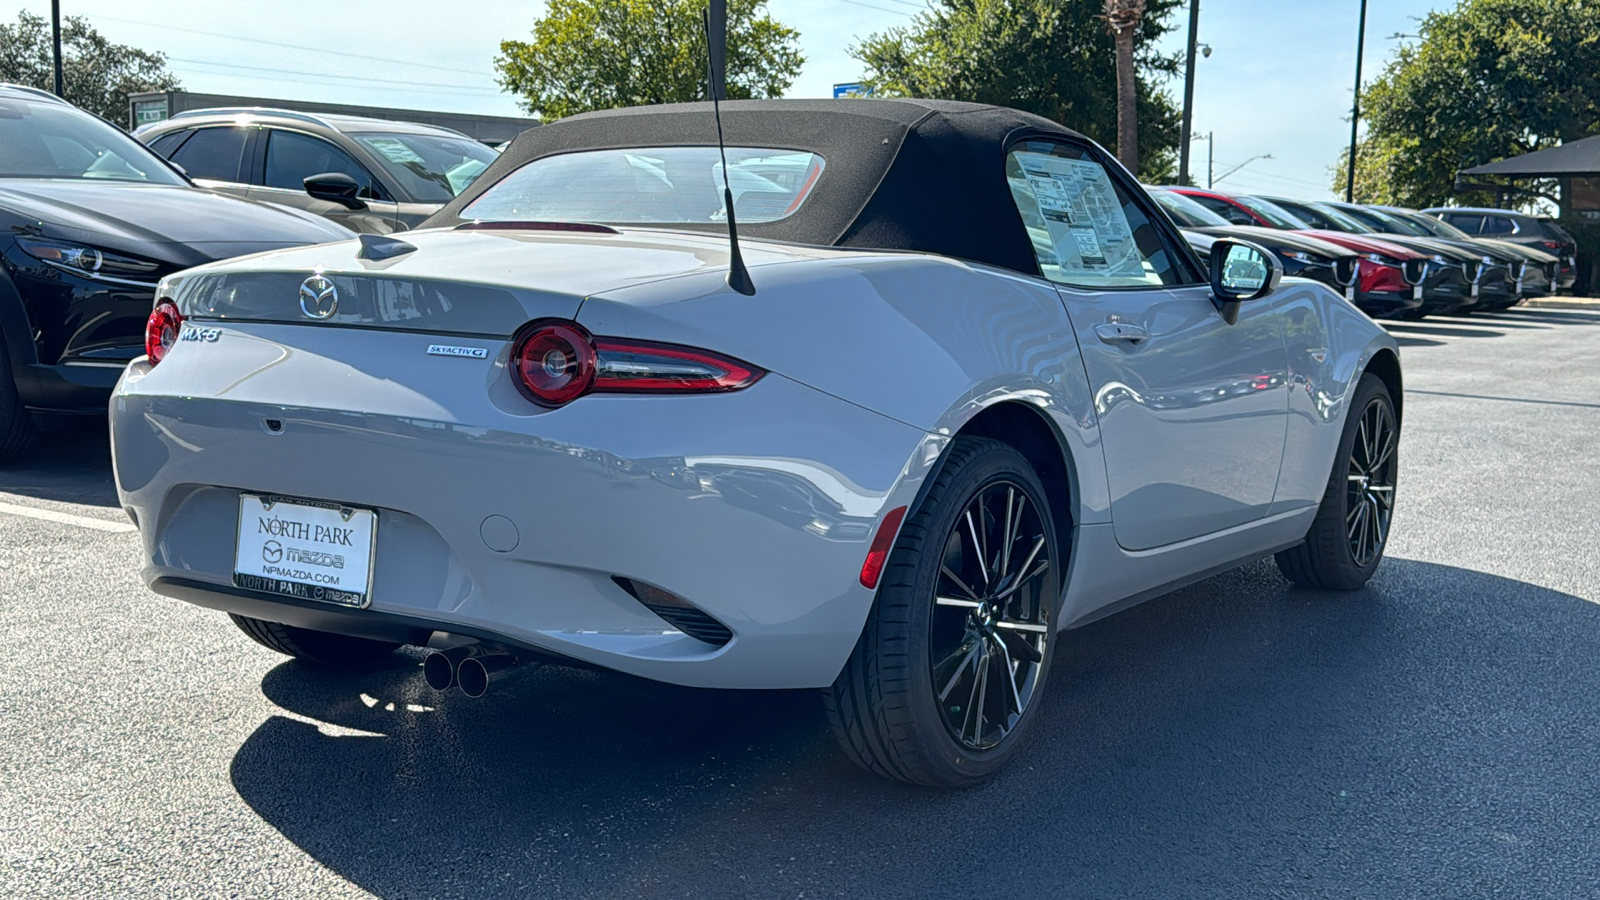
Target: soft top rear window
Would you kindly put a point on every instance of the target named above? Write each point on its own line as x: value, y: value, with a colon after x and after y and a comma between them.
x: 652, y: 185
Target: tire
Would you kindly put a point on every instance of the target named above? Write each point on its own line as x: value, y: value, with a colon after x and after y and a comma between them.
x: 1337, y: 554
x: 317, y: 647
x: 16, y: 423
x: 885, y: 708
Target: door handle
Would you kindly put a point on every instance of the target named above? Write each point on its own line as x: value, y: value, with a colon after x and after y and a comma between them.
x: 1121, y: 333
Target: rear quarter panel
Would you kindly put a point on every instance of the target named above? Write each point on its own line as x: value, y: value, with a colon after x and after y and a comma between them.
x: 928, y: 341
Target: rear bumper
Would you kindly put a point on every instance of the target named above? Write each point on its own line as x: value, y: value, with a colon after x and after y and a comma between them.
x: 756, y: 507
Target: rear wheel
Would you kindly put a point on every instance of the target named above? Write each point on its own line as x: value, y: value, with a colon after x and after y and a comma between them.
x: 949, y: 671
x: 319, y: 647
x: 16, y: 423
x: 1348, y: 536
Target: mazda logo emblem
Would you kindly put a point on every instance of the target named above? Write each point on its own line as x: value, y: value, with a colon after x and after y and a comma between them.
x: 319, y: 299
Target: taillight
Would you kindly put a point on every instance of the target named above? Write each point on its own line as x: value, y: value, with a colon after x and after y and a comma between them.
x: 161, y: 330
x: 644, y: 366
x: 882, y: 542
x: 1551, y: 245
x: 555, y: 362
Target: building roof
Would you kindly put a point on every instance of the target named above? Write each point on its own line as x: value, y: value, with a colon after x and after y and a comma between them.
x: 1580, y: 158
x: 924, y: 175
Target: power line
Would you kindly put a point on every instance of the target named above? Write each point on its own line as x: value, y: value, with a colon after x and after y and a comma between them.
x: 326, y: 75
x: 898, y: 12
x: 300, y: 47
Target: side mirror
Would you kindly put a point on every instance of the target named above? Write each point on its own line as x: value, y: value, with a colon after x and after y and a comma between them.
x: 336, y: 187
x: 1242, y: 271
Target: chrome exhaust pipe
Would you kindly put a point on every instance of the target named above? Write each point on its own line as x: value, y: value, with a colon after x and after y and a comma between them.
x: 441, y: 668
x: 476, y: 674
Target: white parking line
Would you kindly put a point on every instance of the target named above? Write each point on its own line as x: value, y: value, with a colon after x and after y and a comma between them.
x: 50, y: 515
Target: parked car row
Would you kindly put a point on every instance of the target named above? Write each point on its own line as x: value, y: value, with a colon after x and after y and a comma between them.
x: 92, y: 219
x: 1408, y: 263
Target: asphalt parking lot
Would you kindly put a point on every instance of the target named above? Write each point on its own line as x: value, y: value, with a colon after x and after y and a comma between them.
x: 1437, y: 734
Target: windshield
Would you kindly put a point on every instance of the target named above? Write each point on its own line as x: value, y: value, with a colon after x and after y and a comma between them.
x: 432, y: 168
x: 1340, y: 219
x: 1434, y: 227
x: 653, y: 184
x: 42, y: 139
x: 1185, y: 212
x: 1272, y: 212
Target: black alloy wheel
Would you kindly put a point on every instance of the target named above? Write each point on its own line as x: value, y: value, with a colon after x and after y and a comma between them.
x: 1369, y: 498
x: 990, y: 623
x: 952, y: 663
x: 1351, y: 529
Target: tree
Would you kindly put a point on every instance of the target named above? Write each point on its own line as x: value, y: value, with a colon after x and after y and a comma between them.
x: 1123, y: 16
x: 1487, y: 80
x: 598, y: 54
x: 97, y: 75
x: 1043, y: 56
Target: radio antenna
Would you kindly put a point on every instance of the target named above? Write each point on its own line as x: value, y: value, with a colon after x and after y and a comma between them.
x: 738, y: 275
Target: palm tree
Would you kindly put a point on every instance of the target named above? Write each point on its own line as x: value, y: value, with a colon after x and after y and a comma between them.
x: 1124, y: 16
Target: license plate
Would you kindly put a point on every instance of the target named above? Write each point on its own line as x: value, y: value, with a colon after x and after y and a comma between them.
x: 305, y: 549
x: 1350, y: 292
x: 1474, y: 289
x: 1416, y: 292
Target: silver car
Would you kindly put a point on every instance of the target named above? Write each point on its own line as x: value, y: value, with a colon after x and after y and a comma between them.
x: 981, y: 393
x: 373, y: 176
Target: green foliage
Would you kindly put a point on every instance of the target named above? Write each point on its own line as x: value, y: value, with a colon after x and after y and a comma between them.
x: 599, y: 54
x: 1055, y: 58
x: 1487, y: 80
x: 97, y: 75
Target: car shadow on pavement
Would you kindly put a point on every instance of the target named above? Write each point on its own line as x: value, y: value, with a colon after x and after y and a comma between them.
x: 70, y: 462
x: 1240, y: 738
x: 1551, y: 316
x: 1413, y: 328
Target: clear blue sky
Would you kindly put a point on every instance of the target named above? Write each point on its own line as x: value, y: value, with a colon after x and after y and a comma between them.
x: 1278, y: 81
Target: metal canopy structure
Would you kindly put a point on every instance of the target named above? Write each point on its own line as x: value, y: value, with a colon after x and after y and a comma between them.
x: 1574, y: 159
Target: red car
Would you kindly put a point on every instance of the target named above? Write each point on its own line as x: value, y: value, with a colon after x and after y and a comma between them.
x: 1390, y: 279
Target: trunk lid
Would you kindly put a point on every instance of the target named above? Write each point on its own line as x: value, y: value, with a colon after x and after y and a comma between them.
x: 457, y: 282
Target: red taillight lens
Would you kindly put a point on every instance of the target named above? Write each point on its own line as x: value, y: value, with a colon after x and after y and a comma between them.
x: 161, y: 330
x: 641, y: 366
x: 882, y: 542
x: 556, y: 362
x: 1551, y: 245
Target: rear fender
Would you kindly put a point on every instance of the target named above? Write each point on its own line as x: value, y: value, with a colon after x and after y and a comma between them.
x: 928, y: 341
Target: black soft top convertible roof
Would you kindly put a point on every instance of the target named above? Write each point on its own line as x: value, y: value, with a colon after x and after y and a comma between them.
x: 926, y: 175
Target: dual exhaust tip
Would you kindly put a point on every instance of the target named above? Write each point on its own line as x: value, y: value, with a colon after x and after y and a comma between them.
x: 473, y: 668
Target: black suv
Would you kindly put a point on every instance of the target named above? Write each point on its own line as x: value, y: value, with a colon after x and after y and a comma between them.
x: 1519, y: 228
x: 90, y: 221
x: 370, y: 175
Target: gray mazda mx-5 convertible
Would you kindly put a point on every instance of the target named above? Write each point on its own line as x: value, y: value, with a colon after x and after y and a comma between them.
x: 982, y: 391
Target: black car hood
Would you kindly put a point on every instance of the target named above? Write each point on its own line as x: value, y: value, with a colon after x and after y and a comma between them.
x: 1274, y: 238
x: 172, y: 223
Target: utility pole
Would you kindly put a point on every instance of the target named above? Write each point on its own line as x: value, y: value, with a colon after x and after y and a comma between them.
x: 1211, y: 158
x: 1188, y: 92
x: 1355, y: 107
x: 55, y: 40
x: 719, y: 48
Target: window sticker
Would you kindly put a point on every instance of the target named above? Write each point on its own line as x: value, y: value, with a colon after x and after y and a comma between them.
x: 1079, y: 210
x: 396, y: 150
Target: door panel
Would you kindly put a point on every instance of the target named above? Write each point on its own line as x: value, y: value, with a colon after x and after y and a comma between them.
x: 1192, y: 410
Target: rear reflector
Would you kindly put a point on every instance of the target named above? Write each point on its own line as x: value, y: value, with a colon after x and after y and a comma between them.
x: 882, y: 543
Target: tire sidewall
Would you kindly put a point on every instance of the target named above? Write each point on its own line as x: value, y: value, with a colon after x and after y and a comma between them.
x: 960, y: 765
